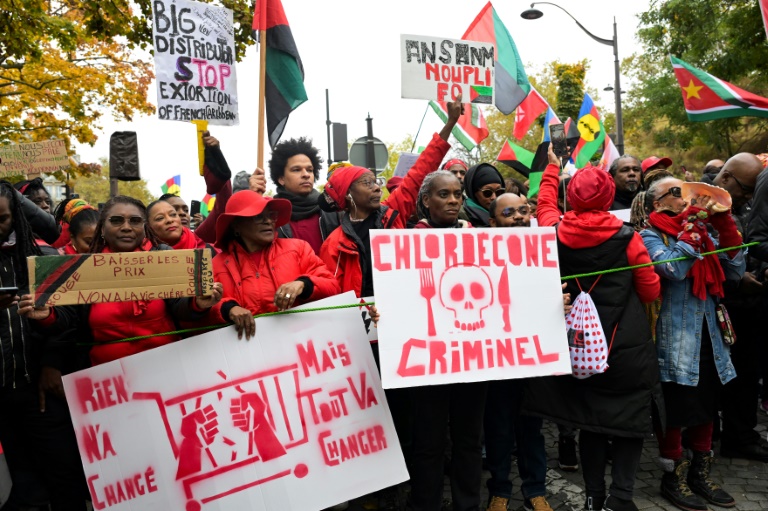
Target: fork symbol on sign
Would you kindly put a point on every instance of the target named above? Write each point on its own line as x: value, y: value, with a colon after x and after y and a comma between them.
x: 428, y: 292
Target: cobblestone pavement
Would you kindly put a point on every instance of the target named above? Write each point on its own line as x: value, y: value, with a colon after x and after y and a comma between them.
x: 746, y: 481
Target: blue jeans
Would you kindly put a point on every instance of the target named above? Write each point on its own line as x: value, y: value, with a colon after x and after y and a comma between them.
x: 504, y: 426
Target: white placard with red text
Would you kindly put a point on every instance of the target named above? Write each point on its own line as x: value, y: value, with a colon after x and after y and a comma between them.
x: 440, y: 69
x: 294, y: 419
x: 487, y: 323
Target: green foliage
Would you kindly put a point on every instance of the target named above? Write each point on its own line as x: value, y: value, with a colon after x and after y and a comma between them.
x: 94, y: 188
x: 570, y: 90
x: 723, y: 37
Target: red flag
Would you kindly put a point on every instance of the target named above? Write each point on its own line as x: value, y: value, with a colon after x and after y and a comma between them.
x: 527, y: 112
x: 764, y: 10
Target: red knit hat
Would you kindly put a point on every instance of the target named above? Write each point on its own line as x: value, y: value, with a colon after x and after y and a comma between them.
x: 591, y: 188
x: 340, y: 181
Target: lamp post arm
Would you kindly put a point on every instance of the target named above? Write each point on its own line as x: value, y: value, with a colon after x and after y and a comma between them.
x: 608, y: 42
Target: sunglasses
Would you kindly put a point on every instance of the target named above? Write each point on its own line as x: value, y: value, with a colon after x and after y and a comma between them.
x: 675, y: 191
x: 522, y: 210
x: 119, y: 221
x: 488, y: 193
x: 266, y: 217
x: 744, y: 188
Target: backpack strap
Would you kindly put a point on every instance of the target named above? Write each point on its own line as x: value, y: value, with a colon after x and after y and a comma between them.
x: 593, y: 284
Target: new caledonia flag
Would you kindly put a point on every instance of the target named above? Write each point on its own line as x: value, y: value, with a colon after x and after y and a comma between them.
x: 707, y: 97
x: 592, y: 133
x: 285, y: 73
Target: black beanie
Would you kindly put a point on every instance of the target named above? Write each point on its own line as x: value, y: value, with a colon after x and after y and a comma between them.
x: 484, y: 174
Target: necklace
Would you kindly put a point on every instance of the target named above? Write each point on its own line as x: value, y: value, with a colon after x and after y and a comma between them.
x: 355, y: 220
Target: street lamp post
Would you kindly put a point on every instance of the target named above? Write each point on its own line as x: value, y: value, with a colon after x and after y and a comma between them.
x: 532, y: 14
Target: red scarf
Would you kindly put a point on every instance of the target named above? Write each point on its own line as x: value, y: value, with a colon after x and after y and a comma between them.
x: 707, y: 274
x: 189, y: 240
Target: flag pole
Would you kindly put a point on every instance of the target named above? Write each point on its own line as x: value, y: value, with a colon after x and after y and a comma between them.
x: 262, y: 80
x: 419, y: 130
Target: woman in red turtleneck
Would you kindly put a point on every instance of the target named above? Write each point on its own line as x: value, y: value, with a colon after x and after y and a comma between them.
x: 165, y: 223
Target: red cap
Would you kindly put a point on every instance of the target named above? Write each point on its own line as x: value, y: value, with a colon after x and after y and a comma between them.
x: 655, y: 160
x: 591, y: 189
x: 247, y: 203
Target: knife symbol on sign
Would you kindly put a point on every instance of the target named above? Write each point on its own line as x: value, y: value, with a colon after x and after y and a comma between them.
x: 504, y: 299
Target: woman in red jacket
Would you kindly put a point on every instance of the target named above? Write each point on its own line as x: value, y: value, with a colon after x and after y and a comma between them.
x: 121, y: 228
x: 356, y: 191
x: 164, y: 222
x: 259, y: 271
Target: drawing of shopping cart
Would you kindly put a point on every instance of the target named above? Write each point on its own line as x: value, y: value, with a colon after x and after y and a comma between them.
x: 231, y: 425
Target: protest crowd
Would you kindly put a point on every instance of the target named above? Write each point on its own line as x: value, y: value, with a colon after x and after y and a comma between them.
x: 674, y: 378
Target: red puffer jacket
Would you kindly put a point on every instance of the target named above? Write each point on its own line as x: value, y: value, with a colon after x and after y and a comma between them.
x: 253, y: 287
x: 340, y: 251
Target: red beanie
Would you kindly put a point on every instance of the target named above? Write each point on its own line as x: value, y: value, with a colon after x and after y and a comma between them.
x: 339, y: 183
x: 590, y: 189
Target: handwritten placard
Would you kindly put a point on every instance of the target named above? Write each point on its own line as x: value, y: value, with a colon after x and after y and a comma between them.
x: 461, y: 305
x: 194, y: 62
x: 440, y: 69
x: 294, y: 419
x: 120, y: 276
x: 33, y: 158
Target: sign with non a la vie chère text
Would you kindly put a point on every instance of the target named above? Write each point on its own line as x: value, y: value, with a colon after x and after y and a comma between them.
x: 194, y: 46
x: 461, y: 305
x: 294, y: 419
x: 440, y: 69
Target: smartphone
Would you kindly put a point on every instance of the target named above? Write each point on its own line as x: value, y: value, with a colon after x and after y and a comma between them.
x: 559, y: 142
x: 13, y: 291
x: 195, y: 208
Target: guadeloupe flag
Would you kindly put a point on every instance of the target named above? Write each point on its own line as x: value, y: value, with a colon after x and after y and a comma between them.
x: 527, y: 112
x: 206, y: 205
x: 592, y: 133
x: 471, y: 128
x: 173, y: 185
x: 707, y: 97
x: 285, y: 73
x: 512, y: 85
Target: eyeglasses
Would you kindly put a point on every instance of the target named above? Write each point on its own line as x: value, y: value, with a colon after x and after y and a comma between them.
x: 522, y: 211
x: 266, y: 217
x: 119, y: 221
x: 371, y: 183
x: 675, y: 191
x: 488, y: 192
x: 745, y: 189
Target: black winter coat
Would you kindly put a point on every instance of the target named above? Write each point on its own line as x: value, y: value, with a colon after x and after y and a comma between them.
x: 619, y: 401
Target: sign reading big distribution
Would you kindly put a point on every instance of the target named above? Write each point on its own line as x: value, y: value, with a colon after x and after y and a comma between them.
x: 194, y: 62
x: 295, y: 419
x: 440, y: 69
x: 461, y: 305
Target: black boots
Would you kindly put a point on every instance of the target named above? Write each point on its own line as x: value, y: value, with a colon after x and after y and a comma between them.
x: 701, y: 484
x: 674, y: 486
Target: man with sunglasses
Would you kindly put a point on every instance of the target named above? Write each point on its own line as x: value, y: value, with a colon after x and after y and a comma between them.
x: 505, y: 427
x: 482, y: 184
x: 746, y: 303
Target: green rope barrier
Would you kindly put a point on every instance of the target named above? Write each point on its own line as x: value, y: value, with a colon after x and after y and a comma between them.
x: 654, y: 263
x: 214, y: 327
x: 351, y: 305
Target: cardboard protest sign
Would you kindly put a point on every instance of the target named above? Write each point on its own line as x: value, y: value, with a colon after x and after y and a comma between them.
x: 461, y: 305
x: 34, y: 158
x: 439, y: 69
x: 120, y: 276
x: 404, y: 163
x: 194, y: 62
x: 294, y: 419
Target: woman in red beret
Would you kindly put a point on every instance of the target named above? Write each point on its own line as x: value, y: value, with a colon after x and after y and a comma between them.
x: 261, y: 272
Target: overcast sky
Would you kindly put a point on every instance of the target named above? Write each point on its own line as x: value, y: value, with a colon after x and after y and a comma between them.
x: 351, y: 47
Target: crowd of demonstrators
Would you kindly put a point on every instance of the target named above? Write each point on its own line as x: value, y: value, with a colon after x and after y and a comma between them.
x: 670, y: 370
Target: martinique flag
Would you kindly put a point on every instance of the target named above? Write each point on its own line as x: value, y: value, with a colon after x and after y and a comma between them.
x: 173, y: 185
x: 592, y: 133
x: 527, y: 112
x: 707, y: 97
x: 516, y: 157
x: 471, y: 128
x: 511, y: 83
x: 285, y: 73
x: 206, y: 205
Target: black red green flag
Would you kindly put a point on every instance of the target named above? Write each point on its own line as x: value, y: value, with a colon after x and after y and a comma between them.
x: 285, y: 73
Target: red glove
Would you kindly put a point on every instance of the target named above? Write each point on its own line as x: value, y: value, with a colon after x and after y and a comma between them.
x: 729, y: 234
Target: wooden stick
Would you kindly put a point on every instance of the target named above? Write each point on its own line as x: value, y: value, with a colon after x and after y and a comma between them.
x: 262, y: 81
